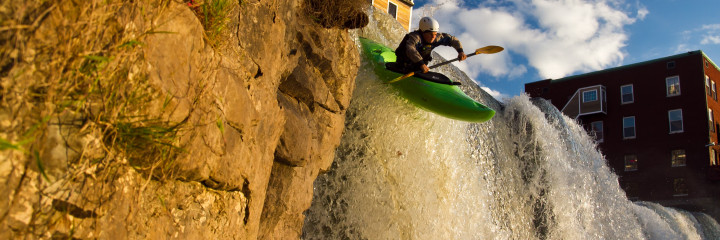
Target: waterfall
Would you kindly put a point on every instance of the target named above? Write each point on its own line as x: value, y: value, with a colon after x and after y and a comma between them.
x: 529, y: 173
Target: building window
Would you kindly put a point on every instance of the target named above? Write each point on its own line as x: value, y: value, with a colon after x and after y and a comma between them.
x: 670, y: 64
x: 590, y: 96
x: 676, y: 120
x: 631, y: 163
x: 673, y: 86
x: 626, y: 92
x: 678, y: 158
x: 707, y: 85
x: 711, y: 120
x: 629, y: 127
x: 713, y: 158
x: 597, y: 130
x: 392, y: 9
x: 714, y: 90
x: 679, y: 187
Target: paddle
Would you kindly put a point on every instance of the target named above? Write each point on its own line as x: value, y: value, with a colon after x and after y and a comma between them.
x: 486, y: 50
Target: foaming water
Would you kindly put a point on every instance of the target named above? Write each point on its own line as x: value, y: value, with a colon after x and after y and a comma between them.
x: 529, y: 173
x: 392, y: 178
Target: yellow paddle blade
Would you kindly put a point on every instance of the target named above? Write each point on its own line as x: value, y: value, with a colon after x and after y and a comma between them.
x: 489, y: 49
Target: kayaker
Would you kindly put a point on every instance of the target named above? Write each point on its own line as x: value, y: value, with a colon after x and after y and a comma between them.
x: 415, y: 50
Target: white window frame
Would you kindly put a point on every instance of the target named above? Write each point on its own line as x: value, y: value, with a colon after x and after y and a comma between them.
x: 592, y: 128
x: 707, y: 85
x: 632, y: 94
x: 682, y: 127
x: 667, y: 86
x: 711, y: 120
x: 634, y: 128
x: 396, y: 9
x: 588, y: 91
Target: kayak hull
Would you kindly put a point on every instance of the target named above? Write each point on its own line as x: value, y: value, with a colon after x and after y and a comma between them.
x: 442, y: 99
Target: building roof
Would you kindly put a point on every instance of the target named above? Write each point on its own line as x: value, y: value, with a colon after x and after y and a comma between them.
x: 697, y: 52
x: 408, y: 2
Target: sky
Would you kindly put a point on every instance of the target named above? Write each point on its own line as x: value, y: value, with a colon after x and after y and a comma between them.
x: 557, y: 38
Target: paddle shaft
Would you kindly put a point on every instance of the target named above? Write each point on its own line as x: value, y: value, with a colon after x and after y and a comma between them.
x: 486, y: 50
x: 431, y: 67
x: 447, y: 62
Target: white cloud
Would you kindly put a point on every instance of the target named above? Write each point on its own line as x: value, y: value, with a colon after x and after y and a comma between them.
x: 495, y: 94
x: 710, y: 39
x: 708, y: 34
x: 681, y: 48
x: 556, y: 37
x: 712, y: 34
x: 642, y: 12
x: 711, y: 27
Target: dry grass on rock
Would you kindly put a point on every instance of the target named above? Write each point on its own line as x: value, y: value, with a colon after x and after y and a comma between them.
x: 213, y: 14
x: 74, y: 100
x: 81, y: 69
x: 340, y: 14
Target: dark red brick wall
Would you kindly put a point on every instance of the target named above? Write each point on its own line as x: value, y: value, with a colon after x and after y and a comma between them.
x: 653, y: 143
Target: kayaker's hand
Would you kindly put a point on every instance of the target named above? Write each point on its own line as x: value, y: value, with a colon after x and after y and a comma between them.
x: 461, y: 56
x: 425, y: 68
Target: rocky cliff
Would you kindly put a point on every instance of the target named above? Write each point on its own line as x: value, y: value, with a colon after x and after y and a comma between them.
x: 168, y: 119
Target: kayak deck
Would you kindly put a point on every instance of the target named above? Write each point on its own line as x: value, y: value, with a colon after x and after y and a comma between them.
x: 441, y: 98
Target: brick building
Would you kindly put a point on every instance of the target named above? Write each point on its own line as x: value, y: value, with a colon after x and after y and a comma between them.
x: 655, y: 121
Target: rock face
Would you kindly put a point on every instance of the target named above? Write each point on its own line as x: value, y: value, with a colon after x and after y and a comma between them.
x: 260, y: 115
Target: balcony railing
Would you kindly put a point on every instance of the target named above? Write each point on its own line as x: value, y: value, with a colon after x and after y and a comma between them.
x: 586, y: 101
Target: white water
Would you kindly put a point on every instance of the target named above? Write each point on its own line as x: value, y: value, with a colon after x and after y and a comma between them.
x: 403, y: 173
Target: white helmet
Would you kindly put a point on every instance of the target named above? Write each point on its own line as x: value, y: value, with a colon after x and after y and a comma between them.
x: 429, y: 24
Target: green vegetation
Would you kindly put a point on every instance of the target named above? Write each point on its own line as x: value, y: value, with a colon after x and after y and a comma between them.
x: 79, y: 106
x: 145, y: 137
x: 5, y: 144
x: 28, y: 137
x: 220, y: 124
x: 85, y: 78
x: 213, y: 15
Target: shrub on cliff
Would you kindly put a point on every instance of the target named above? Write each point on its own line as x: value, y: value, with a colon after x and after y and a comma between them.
x: 341, y: 14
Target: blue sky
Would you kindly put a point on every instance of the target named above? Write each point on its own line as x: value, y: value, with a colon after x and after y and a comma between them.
x: 557, y: 38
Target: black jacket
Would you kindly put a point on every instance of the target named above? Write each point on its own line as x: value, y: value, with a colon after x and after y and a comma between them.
x: 413, y: 51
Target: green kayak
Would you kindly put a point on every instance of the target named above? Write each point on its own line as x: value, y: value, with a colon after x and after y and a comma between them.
x: 428, y: 92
